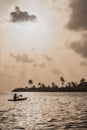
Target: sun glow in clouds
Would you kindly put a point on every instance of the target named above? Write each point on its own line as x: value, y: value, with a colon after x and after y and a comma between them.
x: 30, y: 35
x: 40, y: 33
x: 47, y: 36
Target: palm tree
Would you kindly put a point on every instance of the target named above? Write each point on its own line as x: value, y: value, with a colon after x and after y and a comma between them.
x: 30, y: 82
x: 82, y: 80
x: 53, y: 85
x: 73, y: 84
x: 62, y: 80
x: 39, y: 84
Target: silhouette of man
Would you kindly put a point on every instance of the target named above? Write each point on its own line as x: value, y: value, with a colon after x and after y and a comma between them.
x: 15, y: 96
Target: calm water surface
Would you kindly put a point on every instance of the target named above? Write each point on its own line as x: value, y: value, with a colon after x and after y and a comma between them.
x: 44, y: 111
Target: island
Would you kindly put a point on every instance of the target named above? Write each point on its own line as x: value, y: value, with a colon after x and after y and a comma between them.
x: 65, y: 87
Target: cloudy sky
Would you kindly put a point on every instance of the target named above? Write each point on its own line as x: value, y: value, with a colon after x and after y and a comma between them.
x: 42, y: 40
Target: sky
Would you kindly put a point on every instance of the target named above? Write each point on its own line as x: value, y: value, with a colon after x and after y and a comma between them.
x: 42, y: 41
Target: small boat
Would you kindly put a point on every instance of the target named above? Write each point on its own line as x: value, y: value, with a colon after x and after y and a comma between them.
x: 18, y: 99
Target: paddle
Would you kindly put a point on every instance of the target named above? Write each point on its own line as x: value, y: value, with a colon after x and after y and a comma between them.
x: 20, y: 96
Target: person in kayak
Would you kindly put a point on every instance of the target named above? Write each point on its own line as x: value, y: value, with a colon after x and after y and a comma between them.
x: 15, y: 96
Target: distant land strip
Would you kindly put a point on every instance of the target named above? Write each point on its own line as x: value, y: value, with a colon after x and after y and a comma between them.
x: 69, y: 87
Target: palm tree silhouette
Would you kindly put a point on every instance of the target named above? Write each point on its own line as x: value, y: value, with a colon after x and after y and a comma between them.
x: 62, y: 80
x: 39, y: 84
x: 30, y: 82
x: 82, y: 80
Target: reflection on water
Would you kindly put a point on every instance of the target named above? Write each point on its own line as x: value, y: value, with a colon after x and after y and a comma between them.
x: 44, y: 111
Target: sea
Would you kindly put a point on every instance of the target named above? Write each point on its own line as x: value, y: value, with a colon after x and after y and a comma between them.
x: 44, y: 111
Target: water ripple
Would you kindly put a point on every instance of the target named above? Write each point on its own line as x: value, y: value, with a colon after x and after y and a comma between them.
x: 44, y: 111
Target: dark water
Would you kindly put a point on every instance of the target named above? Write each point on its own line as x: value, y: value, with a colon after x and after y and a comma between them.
x: 44, y: 111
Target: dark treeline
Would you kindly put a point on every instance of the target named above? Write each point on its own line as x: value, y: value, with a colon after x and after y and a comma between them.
x: 65, y: 87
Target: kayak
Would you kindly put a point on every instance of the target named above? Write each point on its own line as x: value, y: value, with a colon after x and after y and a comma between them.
x: 18, y: 99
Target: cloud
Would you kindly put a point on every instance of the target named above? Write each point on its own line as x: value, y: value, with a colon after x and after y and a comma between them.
x: 21, y: 16
x: 78, y: 17
x: 4, y: 6
x: 22, y: 58
x: 48, y: 58
x: 35, y: 65
x: 84, y: 63
x: 80, y: 47
x: 56, y: 71
x: 42, y: 65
